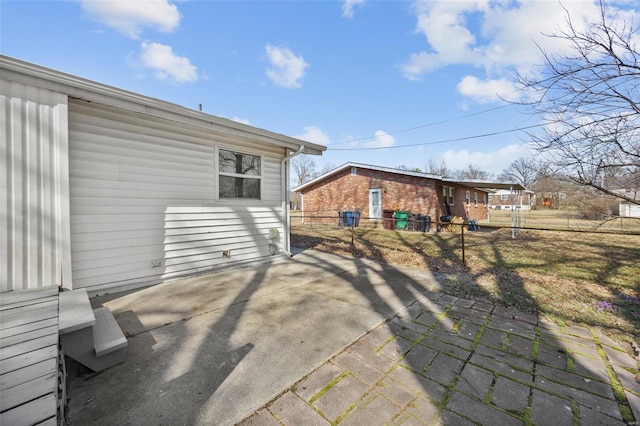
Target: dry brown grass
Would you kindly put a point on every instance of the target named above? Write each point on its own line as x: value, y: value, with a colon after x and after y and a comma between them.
x: 569, y: 277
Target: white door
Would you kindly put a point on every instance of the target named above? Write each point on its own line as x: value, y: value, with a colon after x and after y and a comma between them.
x: 375, y: 204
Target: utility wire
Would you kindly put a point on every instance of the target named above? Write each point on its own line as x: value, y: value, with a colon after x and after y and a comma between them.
x: 435, y: 123
x: 484, y: 135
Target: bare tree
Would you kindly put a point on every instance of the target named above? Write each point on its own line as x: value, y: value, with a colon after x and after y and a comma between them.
x: 304, y: 168
x: 589, y: 99
x: 409, y: 169
x: 325, y: 169
x: 524, y: 170
x: 438, y: 168
x: 472, y: 172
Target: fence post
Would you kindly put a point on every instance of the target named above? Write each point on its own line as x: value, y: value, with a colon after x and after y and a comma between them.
x: 462, y: 238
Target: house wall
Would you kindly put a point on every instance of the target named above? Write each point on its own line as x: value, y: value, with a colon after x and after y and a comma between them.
x: 144, y: 204
x: 34, y: 188
x: 460, y: 207
x: 346, y: 191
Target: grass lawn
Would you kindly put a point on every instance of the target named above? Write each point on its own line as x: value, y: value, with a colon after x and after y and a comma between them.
x: 568, y: 277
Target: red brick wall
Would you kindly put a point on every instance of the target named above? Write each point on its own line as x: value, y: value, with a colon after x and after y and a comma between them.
x: 344, y: 191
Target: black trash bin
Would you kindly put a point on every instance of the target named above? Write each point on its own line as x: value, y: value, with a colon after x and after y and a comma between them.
x: 426, y: 223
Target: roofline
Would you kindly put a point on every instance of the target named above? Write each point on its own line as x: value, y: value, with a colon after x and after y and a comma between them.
x: 479, y: 184
x: 80, y: 88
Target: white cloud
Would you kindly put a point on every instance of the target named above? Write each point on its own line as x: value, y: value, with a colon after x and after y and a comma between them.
x: 241, y: 120
x: 129, y: 17
x: 347, y: 7
x: 497, y: 37
x: 315, y: 135
x: 285, y: 68
x: 493, y: 162
x: 485, y: 91
x: 381, y: 140
x: 166, y: 64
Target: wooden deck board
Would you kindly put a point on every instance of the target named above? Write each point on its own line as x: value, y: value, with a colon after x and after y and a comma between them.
x: 29, y: 356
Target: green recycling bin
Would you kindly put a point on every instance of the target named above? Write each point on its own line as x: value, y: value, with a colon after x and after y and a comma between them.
x: 401, y: 219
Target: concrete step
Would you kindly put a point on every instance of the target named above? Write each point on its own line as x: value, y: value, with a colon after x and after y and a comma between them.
x: 107, y: 336
x: 90, y: 336
x: 75, y: 311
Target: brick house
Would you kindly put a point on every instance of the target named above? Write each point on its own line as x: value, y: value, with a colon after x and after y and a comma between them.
x: 373, y: 189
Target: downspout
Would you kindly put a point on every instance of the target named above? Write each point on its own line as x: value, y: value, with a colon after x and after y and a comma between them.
x: 286, y: 218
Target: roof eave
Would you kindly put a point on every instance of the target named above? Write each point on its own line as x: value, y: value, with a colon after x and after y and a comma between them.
x: 83, y: 89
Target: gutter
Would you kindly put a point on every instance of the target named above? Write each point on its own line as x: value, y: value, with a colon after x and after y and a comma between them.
x: 286, y: 217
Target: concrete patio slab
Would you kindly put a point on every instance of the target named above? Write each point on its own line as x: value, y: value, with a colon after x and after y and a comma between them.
x: 325, y: 339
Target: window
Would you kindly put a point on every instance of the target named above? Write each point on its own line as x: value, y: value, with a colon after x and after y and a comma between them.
x: 447, y: 194
x: 354, y: 171
x: 239, y: 175
x: 504, y: 197
x: 467, y: 197
x: 475, y: 198
x: 486, y: 198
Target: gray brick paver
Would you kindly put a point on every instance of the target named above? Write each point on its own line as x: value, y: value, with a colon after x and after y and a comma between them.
x: 520, y: 346
x: 419, y: 357
x: 581, y: 332
x: 419, y: 383
x: 359, y: 369
x: 475, y: 381
x: 590, y: 367
x: 379, y: 389
x: 493, y: 338
x: 444, y: 369
x: 550, y: 410
x: 548, y: 377
x: 510, y: 396
x: 395, y: 391
x: 447, y: 418
x: 634, y: 404
x: 479, y: 412
x: 552, y: 355
x: 373, y: 407
x: 340, y: 397
x: 589, y: 417
x: 370, y: 356
x: 500, y: 367
x: 424, y: 410
x: 261, y: 418
x: 448, y: 348
x: 620, y: 358
x: 291, y: 411
x: 316, y: 381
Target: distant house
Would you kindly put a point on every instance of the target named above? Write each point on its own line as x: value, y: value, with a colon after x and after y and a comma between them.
x: 625, y: 208
x: 505, y: 199
x: 374, y: 189
x: 106, y: 189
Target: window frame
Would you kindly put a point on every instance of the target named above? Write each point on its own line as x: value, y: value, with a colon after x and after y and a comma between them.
x: 219, y: 173
x: 448, y: 195
x: 467, y: 197
x: 475, y: 198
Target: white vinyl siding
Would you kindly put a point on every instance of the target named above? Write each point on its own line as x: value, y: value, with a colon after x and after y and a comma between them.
x: 34, y: 188
x: 143, y: 200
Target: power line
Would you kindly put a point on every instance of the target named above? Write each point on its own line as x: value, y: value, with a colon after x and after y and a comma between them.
x: 435, y: 123
x: 484, y: 135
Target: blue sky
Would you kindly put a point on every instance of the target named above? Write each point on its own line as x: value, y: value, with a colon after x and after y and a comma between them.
x: 354, y: 75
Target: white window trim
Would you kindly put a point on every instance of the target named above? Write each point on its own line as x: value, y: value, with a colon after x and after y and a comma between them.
x: 448, y: 193
x: 218, y: 174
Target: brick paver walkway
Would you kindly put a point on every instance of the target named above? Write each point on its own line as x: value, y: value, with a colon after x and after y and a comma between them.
x: 461, y: 362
